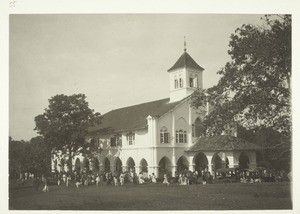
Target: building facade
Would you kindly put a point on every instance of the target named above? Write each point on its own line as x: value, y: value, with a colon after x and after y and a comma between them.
x: 162, y: 136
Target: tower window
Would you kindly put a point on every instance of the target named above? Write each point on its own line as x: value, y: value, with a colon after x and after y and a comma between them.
x: 191, y: 82
x: 176, y: 83
x: 180, y: 82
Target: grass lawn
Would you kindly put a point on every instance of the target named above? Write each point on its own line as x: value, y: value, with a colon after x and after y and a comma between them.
x: 231, y: 196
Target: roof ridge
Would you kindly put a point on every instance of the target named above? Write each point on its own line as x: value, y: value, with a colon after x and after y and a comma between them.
x: 139, y: 104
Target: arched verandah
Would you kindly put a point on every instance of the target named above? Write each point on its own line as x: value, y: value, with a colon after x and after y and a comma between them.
x: 130, y: 164
x: 182, y: 164
x: 118, y: 164
x: 164, y: 166
x: 106, y: 165
x: 201, y: 162
x: 219, y: 161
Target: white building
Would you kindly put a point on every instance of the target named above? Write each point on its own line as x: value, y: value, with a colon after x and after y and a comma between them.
x: 164, y: 135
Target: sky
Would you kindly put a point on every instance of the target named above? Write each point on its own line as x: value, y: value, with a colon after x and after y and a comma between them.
x: 116, y: 60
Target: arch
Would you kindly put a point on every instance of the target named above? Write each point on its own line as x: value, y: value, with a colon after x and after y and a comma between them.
x: 144, y: 166
x: 77, y: 164
x: 106, y: 164
x: 164, y: 166
x: 130, y: 164
x: 219, y: 161
x: 201, y: 162
x: 181, y: 123
x: 182, y: 164
x: 118, y: 164
x: 243, y: 161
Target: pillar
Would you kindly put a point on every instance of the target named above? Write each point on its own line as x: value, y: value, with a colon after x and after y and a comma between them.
x: 210, y: 168
x: 190, y: 127
x: 174, y: 169
x: 231, y: 159
x: 156, y: 171
x: 173, y: 166
x: 112, y: 168
x: 191, y: 164
x: 138, y: 169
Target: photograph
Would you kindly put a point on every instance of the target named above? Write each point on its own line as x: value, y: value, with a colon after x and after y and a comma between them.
x: 150, y: 111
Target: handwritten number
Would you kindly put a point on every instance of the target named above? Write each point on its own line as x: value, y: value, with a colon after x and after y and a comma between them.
x: 12, y: 3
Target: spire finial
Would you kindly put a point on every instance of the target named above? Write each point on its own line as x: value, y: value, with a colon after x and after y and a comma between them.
x: 184, y: 45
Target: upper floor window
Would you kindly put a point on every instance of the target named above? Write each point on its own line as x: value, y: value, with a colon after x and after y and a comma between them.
x: 130, y: 138
x: 164, y: 135
x: 113, y: 142
x: 181, y: 136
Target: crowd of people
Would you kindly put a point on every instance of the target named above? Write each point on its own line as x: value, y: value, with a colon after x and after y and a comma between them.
x: 81, y: 178
x: 255, y: 175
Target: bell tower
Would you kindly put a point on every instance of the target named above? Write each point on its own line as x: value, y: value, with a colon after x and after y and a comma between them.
x: 185, y: 76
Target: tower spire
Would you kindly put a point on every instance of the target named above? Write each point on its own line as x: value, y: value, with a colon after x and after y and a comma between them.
x: 184, y: 44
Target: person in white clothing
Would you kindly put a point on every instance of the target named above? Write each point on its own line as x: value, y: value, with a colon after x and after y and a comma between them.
x: 166, y: 180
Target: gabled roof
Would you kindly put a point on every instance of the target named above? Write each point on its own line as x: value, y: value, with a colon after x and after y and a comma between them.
x: 133, y: 117
x: 186, y: 61
x: 221, y: 143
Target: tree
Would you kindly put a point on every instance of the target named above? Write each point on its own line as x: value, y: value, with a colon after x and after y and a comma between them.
x: 64, y: 124
x: 28, y: 156
x: 255, y: 88
x: 40, y: 156
x: 18, y: 157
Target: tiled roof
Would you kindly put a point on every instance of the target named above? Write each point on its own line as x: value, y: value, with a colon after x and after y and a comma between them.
x: 133, y: 117
x: 186, y: 61
x: 222, y: 143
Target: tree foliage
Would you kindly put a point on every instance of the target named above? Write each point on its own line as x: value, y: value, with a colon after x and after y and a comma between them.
x: 28, y: 156
x: 254, y: 88
x: 65, y: 123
